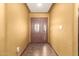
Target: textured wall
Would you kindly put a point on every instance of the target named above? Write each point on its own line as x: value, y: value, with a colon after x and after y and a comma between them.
x: 62, y: 28
x: 17, y: 28
x: 39, y: 14
x: 2, y: 29
x: 75, y: 45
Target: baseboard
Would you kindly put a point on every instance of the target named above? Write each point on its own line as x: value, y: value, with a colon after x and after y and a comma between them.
x: 21, y: 53
x: 54, y: 49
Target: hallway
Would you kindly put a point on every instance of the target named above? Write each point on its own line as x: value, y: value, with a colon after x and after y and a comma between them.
x: 38, y: 29
x: 39, y: 49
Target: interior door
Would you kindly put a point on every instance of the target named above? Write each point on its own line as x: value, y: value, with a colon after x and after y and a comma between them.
x: 39, y: 30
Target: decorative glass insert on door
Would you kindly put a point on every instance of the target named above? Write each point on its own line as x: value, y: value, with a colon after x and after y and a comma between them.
x: 45, y: 27
x: 36, y: 27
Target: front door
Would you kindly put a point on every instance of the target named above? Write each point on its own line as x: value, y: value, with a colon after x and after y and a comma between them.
x: 39, y: 30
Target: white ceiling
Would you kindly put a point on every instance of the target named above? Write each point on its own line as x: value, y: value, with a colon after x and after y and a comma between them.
x: 34, y: 7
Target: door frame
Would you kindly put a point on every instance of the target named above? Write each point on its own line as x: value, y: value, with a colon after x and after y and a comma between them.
x: 31, y: 28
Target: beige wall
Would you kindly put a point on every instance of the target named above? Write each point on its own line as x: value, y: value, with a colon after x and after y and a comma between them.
x: 17, y: 28
x: 62, y: 39
x: 37, y: 14
x: 75, y: 42
x: 2, y: 29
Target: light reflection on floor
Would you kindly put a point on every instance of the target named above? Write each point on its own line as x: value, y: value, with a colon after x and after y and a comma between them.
x: 39, y: 49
